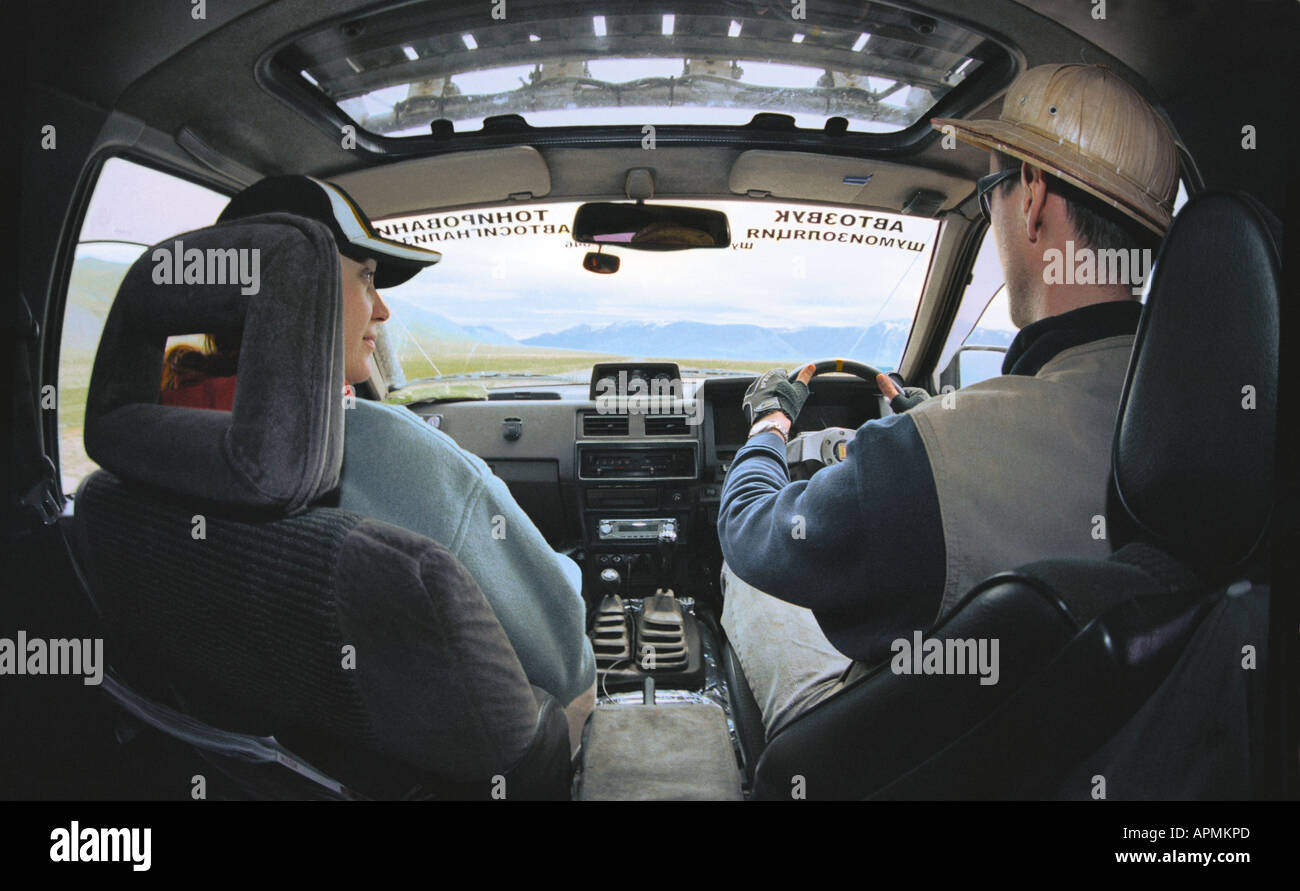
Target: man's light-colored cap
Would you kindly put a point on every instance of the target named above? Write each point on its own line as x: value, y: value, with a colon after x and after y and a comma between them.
x: 1086, y: 125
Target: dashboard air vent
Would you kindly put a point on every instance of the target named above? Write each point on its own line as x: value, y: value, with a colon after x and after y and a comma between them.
x: 666, y: 425
x: 604, y: 425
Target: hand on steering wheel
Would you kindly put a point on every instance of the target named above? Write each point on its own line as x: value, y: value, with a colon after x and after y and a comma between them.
x: 900, y: 400
x: 771, y: 392
x: 820, y: 448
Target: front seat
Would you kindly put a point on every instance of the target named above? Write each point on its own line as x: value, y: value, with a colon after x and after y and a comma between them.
x: 1137, y: 677
x: 305, y: 650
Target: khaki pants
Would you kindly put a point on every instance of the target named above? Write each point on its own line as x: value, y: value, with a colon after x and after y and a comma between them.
x: 789, y: 663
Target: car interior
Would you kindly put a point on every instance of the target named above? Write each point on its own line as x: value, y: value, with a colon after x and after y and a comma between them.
x: 634, y: 156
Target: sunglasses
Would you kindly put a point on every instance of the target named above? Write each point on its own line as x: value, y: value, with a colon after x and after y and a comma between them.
x: 986, y: 184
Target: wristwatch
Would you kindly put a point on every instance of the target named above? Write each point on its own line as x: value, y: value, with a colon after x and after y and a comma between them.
x: 776, y: 421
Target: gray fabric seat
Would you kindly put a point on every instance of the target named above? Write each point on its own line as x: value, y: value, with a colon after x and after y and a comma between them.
x: 1142, y: 676
x: 231, y: 591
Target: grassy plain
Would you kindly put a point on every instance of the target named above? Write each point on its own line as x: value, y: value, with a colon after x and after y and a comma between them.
x: 574, y: 364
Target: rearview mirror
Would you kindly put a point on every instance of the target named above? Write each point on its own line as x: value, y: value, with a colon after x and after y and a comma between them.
x: 603, y: 264
x: 651, y: 227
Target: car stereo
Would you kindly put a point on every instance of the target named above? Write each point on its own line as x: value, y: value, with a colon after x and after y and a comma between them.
x: 630, y: 529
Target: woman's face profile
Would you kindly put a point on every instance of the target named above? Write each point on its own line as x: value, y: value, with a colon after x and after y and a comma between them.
x: 363, y: 312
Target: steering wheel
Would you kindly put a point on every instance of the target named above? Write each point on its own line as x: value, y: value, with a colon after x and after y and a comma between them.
x: 847, y: 366
x: 816, y: 449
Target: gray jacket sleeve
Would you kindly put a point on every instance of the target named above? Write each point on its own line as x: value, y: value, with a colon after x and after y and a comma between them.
x: 403, y: 471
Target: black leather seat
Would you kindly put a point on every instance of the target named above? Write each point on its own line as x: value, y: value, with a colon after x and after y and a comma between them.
x: 244, y: 615
x: 1141, y: 676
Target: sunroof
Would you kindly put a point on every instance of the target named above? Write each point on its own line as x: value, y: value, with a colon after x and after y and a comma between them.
x: 882, y: 69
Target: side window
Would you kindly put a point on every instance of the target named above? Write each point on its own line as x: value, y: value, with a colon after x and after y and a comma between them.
x: 1179, y: 200
x: 980, y: 357
x: 132, y: 207
x: 982, y: 330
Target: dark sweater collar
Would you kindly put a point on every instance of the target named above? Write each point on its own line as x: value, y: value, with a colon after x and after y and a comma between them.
x: 1039, y: 342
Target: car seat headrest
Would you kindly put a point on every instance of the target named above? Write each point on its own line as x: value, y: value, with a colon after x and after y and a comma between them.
x: 276, y: 277
x: 1193, y: 458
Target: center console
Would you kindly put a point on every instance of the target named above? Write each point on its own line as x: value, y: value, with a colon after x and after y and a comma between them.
x: 643, y: 507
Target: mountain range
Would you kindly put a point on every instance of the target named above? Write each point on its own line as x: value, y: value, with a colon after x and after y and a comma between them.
x: 705, y: 340
x: 426, y: 325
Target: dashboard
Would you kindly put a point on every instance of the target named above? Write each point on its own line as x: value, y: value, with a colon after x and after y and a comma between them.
x: 627, y: 473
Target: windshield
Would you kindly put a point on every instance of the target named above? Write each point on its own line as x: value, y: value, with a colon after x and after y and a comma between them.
x: 511, y: 298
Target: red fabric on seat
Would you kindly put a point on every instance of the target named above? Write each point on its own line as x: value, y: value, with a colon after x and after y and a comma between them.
x: 217, y: 393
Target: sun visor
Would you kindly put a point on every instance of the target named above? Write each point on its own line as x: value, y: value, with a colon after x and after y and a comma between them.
x: 452, y: 180
x: 804, y: 176
x: 276, y: 278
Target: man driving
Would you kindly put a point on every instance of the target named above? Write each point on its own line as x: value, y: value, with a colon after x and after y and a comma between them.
x: 948, y: 491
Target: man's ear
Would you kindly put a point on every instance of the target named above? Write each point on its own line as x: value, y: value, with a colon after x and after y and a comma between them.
x: 1034, y: 204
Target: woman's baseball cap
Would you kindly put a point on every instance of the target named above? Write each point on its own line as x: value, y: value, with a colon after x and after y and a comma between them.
x: 1086, y: 125
x: 327, y: 203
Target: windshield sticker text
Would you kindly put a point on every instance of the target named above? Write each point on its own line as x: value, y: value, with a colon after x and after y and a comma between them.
x: 485, y: 224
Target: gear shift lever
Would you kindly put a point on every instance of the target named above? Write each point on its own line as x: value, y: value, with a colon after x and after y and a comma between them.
x: 667, y: 538
x: 609, y: 638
